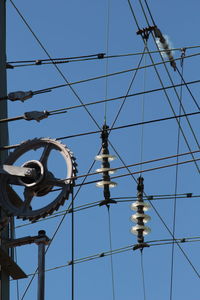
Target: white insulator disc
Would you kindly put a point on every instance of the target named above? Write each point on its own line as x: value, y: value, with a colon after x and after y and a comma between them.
x: 146, y: 206
x: 146, y: 218
x: 102, y: 156
x: 103, y: 182
x: 134, y: 229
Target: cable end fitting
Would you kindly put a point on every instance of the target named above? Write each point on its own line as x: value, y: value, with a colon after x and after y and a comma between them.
x: 20, y: 95
x: 36, y: 115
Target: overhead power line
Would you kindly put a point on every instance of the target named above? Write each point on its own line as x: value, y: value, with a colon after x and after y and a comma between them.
x: 114, y: 128
x: 126, y: 249
x: 49, y: 89
x: 82, y: 58
x: 119, y: 200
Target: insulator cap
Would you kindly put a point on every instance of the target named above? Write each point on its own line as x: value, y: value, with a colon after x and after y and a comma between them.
x: 103, y: 182
x: 109, y: 170
x: 136, y: 228
x: 145, y: 218
x: 146, y: 206
x: 102, y: 156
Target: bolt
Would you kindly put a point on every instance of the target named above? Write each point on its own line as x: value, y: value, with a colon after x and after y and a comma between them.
x: 28, y: 173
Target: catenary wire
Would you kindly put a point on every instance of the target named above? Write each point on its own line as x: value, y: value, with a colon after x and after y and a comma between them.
x: 69, y: 84
x: 179, y: 127
x: 111, y: 256
x: 127, y: 96
x: 168, y: 99
x: 125, y: 249
x: 142, y: 171
x: 71, y: 90
x: 143, y: 275
x: 175, y: 190
x: 114, y: 128
x: 120, y: 200
x: 39, y: 62
x: 171, y: 80
x: 170, y: 105
x: 127, y: 93
x: 180, y: 74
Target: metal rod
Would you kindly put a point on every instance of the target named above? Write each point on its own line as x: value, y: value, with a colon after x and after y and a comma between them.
x: 42, y: 242
x: 72, y: 244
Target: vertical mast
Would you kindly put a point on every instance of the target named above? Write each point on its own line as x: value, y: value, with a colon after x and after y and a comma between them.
x: 4, y: 278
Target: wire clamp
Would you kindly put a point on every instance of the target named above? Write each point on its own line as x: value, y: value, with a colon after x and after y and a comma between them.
x: 36, y: 115
x: 145, y: 32
x: 20, y: 95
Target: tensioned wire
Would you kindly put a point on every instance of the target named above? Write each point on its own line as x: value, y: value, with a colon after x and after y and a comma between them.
x: 50, y: 88
x: 78, y: 99
x: 178, y: 142
x: 154, y: 243
x: 168, y: 99
x: 181, y: 132
x: 119, y: 200
x: 170, y: 78
x: 26, y: 22
x: 176, y: 184
x: 57, y: 60
x: 111, y: 129
x: 180, y: 73
x: 105, y: 122
x: 107, y: 51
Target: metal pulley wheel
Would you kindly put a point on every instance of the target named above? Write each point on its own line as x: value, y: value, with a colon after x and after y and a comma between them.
x: 37, y: 199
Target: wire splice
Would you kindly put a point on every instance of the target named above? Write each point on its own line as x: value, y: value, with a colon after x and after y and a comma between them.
x: 105, y: 157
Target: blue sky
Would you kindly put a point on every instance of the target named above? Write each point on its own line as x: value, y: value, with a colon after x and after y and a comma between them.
x: 76, y: 28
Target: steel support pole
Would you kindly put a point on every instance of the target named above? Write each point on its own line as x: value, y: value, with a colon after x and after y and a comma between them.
x: 4, y: 278
x: 42, y: 241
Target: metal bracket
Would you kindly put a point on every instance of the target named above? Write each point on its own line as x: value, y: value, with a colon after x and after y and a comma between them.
x: 17, y: 171
x: 36, y: 115
x: 20, y: 95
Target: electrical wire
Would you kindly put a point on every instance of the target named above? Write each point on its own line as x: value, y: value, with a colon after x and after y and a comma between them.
x: 170, y: 78
x: 142, y: 114
x: 176, y: 187
x: 125, y: 249
x: 168, y: 99
x: 142, y: 171
x: 127, y: 96
x: 111, y: 256
x: 114, y: 128
x: 57, y: 60
x: 143, y: 276
x: 73, y: 245
x: 69, y: 84
x: 119, y: 200
x: 178, y: 122
x: 107, y: 51
x: 127, y: 93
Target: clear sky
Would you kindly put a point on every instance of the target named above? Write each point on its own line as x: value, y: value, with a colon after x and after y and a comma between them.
x: 78, y: 28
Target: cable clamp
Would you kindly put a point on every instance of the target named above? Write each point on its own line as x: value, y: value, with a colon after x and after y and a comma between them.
x: 36, y: 115
x: 20, y: 95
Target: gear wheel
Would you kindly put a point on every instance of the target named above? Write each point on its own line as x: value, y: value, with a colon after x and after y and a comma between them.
x: 39, y: 186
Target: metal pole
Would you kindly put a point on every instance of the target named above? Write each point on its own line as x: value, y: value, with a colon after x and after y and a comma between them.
x: 4, y: 277
x: 43, y: 240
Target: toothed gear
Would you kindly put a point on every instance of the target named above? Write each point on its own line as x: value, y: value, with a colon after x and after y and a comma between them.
x: 41, y: 185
